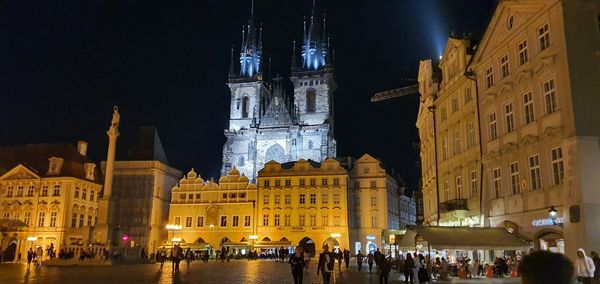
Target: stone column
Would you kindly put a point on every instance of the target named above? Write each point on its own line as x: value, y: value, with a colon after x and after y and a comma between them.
x: 113, y: 133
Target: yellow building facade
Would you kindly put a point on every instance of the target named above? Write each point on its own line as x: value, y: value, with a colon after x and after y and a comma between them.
x: 305, y: 203
x: 539, y: 109
x: 213, y: 215
x: 449, y: 102
x: 48, y: 197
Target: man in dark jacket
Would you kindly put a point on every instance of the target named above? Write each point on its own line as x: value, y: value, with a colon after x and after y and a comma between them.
x: 347, y: 258
x: 326, y: 264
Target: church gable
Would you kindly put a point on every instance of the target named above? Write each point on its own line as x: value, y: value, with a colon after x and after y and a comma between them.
x: 19, y: 172
x: 507, y: 17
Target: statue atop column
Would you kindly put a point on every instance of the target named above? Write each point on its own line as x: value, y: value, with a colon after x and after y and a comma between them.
x: 115, y: 118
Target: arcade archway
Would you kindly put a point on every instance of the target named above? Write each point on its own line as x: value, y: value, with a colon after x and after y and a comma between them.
x: 308, y: 245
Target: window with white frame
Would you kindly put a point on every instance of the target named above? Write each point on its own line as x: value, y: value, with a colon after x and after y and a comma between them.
x: 277, y: 199
x: 549, y: 96
x: 313, y: 198
x: 20, y: 190
x: 523, y: 53
x: 456, y: 143
x: 265, y: 219
x: 558, y: 172
x: 302, y: 198
x: 528, y: 108
x: 44, y: 190
x: 313, y: 219
x: 235, y: 221
x: 534, y: 172
x: 374, y: 221
x: 509, y: 117
x: 188, y: 222
x: 514, y: 177
x: 53, y: 219
x: 504, y: 68
x: 288, y: 198
x: 324, y: 220
x: 286, y: 220
x: 301, y: 219
x: 497, y: 183
x: 247, y: 221
x: 458, y: 185
x: 489, y: 77
x: 473, y: 178
x: 492, y: 126
x: 374, y: 199
x: 277, y: 219
x: 336, y: 198
x: 56, y: 191
x: 324, y: 198
x: 30, y: 190
x: 470, y: 134
x: 41, y: 219
x: 543, y: 33
x: 337, y: 220
x: 266, y: 199
x: 200, y: 221
x: 468, y: 94
x: 177, y: 220
x: 27, y: 218
x: 223, y: 221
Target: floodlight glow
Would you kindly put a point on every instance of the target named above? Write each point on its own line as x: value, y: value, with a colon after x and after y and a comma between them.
x: 336, y: 235
x: 32, y: 239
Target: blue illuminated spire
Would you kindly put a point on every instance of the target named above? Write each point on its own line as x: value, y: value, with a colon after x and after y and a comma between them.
x: 315, y: 44
x: 251, y: 48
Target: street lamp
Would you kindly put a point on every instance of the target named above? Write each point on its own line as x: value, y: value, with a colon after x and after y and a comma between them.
x: 553, y: 215
x: 173, y: 228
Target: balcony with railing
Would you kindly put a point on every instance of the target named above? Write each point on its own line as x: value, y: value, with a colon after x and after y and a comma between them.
x: 454, y: 205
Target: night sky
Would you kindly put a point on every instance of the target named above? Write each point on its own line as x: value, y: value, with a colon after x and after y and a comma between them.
x: 64, y: 64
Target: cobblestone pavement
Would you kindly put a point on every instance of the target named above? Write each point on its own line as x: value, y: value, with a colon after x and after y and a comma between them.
x: 211, y: 272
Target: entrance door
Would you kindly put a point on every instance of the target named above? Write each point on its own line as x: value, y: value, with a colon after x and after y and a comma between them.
x: 9, y: 253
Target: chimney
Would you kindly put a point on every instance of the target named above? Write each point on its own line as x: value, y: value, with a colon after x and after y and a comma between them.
x: 82, y: 147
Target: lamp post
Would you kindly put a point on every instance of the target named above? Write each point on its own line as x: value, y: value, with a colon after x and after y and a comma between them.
x: 553, y: 215
x: 173, y: 228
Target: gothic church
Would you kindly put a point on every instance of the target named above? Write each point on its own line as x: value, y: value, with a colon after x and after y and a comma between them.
x: 269, y: 124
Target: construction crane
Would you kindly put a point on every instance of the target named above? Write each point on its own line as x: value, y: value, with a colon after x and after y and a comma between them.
x: 400, y: 92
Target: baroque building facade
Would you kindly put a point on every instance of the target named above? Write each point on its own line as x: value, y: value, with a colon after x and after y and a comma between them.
x: 538, y: 112
x: 48, y: 198
x: 267, y: 124
x: 449, y: 130
x: 214, y: 215
x: 304, y: 202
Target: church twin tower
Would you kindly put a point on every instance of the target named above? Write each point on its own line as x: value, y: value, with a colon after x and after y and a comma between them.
x: 267, y: 124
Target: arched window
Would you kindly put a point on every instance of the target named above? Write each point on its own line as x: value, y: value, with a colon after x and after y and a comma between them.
x: 245, y: 107
x: 311, y: 100
x: 242, y: 161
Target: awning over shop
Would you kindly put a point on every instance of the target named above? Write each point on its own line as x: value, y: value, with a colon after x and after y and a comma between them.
x: 273, y: 244
x: 466, y: 238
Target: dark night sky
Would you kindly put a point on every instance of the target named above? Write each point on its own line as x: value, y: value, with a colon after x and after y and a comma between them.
x: 63, y: 64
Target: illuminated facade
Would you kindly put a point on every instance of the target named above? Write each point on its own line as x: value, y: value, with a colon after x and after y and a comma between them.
x: 48, y: 196
x: 373, y: 204
x: 213, y: 215
x: 452, y: 103
x: 539, y: 110
x: 305, y: 203
x: 267, y: 124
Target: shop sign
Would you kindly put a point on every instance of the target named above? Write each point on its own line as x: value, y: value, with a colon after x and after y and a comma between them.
x: 298, y: 229
x: 547, y: 222
x: 371, y: 238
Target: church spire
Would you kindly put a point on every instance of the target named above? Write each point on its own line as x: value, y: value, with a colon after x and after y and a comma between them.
x: 231, y: 68
x: 294, y: 64
x: 314, y: 46
x: 251, y: 49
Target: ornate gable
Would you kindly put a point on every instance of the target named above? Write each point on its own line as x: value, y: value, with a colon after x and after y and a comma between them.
x: 19, y: 172
x: 508, y: 16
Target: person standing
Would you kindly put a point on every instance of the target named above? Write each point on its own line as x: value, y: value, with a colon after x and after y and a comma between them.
x: 339, y: 257
x: 188, y: 257
x: 383, y: 270
x: 30, y: 255
x: 307, y: 260
x: 596, y: 260
x: 359, y: 260
x: 423, y: 273
x: 409, y: 265
x: 326, y: 264
x: 347, y: 258
x: 370, y: 258
x: 297, y: 263
x: 585, y: 267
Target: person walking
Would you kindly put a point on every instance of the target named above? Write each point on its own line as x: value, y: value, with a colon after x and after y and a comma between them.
x: 409, y: 265
x: 347, y: 258
x: 370, y: 258
x: 162, y: 256
x: 30, y: 256
x: 297, y: 263
x: 585, y: 267
x: 307, y: 260
x: 326, y: 264
x: 359, y: 260
x: 383, y: 270
x: 188, y: 257
x: 423, y: 274
x: 339, y: 257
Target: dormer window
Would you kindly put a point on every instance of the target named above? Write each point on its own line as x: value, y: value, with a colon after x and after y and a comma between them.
x: 55, y: 165
x: 89, y: 169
